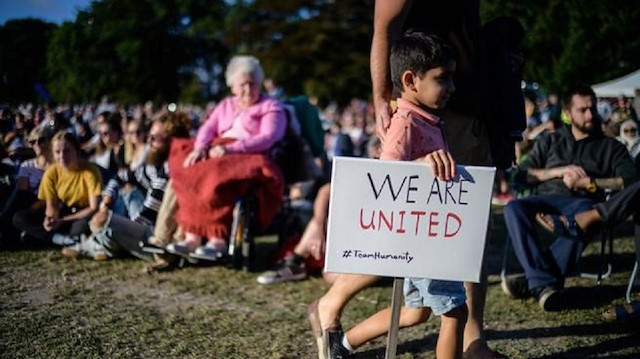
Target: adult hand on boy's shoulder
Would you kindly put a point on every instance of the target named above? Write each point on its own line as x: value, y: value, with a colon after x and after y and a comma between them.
x: 442, y: 164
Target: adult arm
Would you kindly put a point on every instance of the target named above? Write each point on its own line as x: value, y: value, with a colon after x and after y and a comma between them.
x: 206, y: 133
x: 51, y: 214
x: 272, y: 128
x: 623, y: 169
x: 388, y: 19
x: 116, y: 182
x: 92, y: 208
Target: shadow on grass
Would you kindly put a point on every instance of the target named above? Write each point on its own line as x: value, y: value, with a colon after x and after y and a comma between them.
x: 603, y: 349
x: 620, y: 344
x: 579, y: 330
x: 591, y: 297
x: 423, y: 345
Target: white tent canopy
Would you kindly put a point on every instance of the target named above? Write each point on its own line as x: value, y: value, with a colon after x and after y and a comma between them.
x: 624, y: 85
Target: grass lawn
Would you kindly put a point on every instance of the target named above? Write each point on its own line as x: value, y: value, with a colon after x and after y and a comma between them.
x: 54, y: 307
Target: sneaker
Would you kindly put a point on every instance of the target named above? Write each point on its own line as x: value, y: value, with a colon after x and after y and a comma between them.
x: 73, y: 251
x: 284, y: 271
x: 209, y: 252
x: 516, y: 286
x: 63, y: 240
x: 180, y: 248
x: 335, y: 348
x: 149, y: 247
x: 87, y: 247
x: 549, y: 298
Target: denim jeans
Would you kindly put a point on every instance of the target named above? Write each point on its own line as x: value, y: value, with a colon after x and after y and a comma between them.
x: 129, y: 203
x: 544, y: 267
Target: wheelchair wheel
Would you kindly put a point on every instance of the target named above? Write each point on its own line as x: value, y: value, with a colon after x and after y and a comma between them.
x: 241, y: 245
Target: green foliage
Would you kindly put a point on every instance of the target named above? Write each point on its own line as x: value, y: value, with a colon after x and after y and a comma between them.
x: 23, y: 46
x: 133, y: 50
x: 571, y: 41
x: 320, y: 48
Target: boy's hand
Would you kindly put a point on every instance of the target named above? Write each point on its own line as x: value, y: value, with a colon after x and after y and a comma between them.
x: 442, y: 164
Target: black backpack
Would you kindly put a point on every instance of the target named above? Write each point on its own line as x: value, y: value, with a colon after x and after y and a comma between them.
x: 505, y: 116
x: 292, y: 154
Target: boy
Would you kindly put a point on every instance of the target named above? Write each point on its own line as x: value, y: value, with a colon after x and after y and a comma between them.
x: 422, y: 67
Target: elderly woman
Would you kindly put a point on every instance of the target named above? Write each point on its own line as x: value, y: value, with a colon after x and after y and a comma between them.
x: 630, y: 138
x: 226, y: 160
x: 68, y: 195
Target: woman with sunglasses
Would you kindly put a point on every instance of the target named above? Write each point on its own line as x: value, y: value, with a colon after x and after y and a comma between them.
x: 135, y: 146
x: 27, y: 182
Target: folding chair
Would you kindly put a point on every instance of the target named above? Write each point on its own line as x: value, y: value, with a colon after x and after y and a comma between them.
x: 636, y: 269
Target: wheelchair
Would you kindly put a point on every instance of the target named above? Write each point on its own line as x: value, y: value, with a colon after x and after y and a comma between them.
x: 289, y: 224
x: 292, y: 156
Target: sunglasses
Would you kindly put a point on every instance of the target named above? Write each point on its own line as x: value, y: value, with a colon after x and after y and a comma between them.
x: 153, y: 138
x: 39, y: 141
x: 629, y: 130
x: 105, y: 134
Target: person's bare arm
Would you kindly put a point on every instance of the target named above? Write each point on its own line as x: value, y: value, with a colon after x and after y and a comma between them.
x: 389, y: 17
x: 546, y: 174
x: 94, y: 201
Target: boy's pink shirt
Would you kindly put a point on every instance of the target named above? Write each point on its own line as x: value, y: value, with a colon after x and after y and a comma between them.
x: 413, y: 133
x: 265, y: 121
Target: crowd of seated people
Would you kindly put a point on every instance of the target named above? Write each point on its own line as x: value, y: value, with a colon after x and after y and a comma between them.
x: 93, y: 179
x: 105, y: 180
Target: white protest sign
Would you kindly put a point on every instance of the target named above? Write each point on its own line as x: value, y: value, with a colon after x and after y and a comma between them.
x: 395, y: 219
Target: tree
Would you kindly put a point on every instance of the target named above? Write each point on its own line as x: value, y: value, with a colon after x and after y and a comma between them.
x: 320, y: 48
x: 571, y: 41
x: 23, y: 46
x: 132, y: 50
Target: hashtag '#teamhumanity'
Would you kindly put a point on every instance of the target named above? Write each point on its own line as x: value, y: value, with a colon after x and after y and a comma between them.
x: 379, y: 256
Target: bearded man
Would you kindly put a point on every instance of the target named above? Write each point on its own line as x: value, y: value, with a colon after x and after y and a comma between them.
x: 131, y: 200
x: 570, y: 168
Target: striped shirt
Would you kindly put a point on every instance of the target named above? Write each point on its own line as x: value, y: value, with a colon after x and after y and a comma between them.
x: 148, y: 179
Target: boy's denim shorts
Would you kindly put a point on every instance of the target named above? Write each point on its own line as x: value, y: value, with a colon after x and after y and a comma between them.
x: 440, y: 295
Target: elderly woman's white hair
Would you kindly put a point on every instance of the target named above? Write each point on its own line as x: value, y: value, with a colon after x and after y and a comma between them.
x: 243, y: 64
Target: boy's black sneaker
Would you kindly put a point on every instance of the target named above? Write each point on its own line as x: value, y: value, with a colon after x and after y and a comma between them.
x: 516, y: 286
x: 336, y: 349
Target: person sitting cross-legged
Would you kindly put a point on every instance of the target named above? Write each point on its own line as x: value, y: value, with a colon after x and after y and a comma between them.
x: 119, y: 229
x: 570, y: 168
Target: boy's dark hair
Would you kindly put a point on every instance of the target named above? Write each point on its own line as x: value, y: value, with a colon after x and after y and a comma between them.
x: 581, y: 90
x: 418, y: 52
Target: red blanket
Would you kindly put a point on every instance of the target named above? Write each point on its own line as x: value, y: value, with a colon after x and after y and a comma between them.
x: 207, y: 191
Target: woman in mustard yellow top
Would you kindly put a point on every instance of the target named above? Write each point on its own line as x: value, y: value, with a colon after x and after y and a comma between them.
x: 68, y: 195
